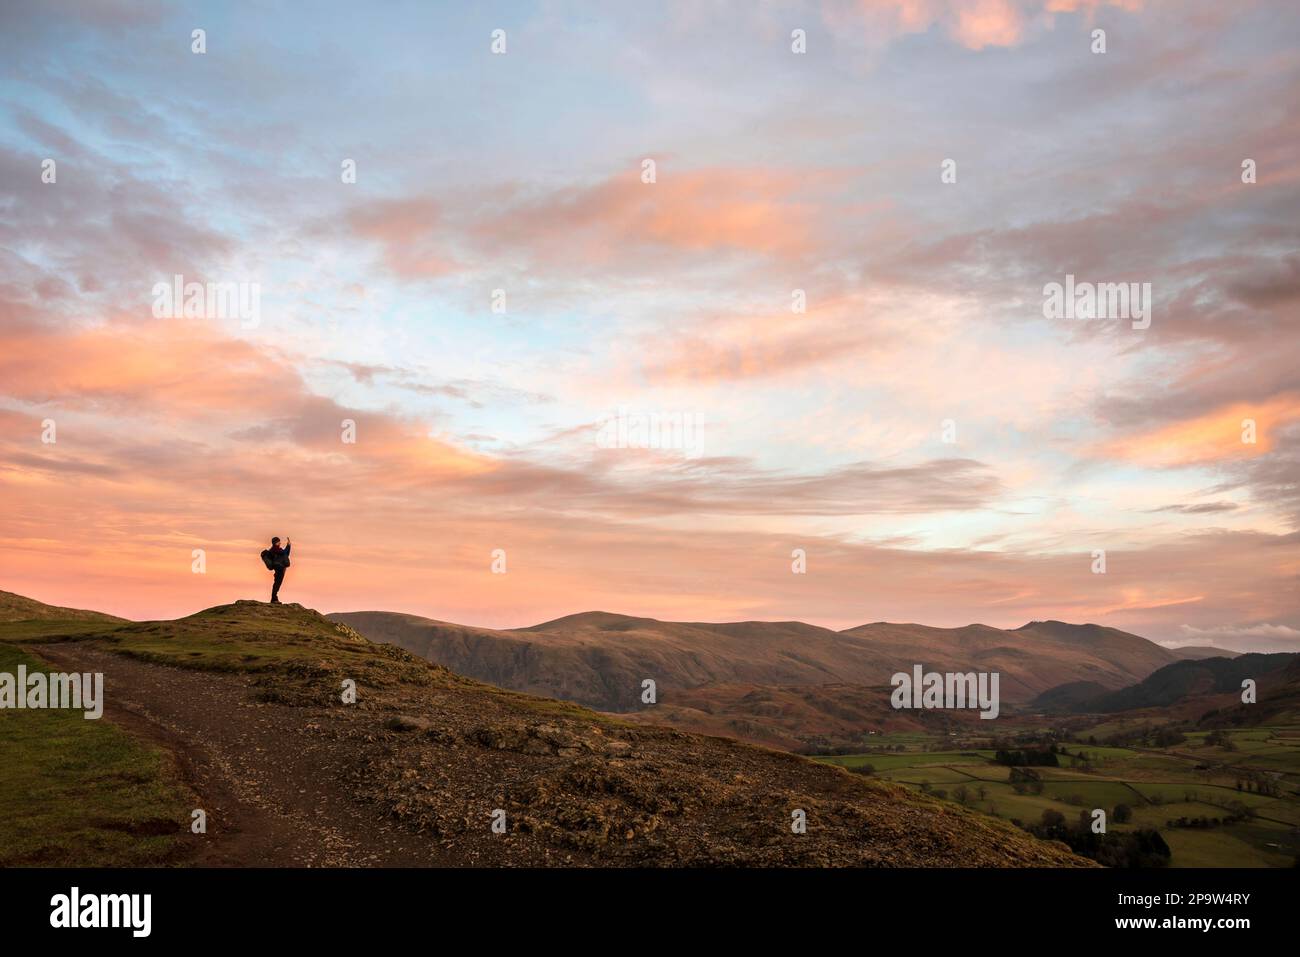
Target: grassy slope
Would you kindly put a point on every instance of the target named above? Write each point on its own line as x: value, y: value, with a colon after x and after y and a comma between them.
x: 25, y: 619
x: 20, y: 608
x: 75, y: 792
x: 86, y: 793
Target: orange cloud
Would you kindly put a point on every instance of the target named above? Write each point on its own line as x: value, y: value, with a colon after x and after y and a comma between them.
x: 1216, y: 436
x: 985, y: 23
x: 755, y: 210
x: 615, y: 222
x: 160, y: 367
x: 178, y: 380
x: 410, y: 232
x: 754, y: 345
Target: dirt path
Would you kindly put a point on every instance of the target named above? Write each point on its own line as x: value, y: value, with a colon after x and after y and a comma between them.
x: 270, y: 777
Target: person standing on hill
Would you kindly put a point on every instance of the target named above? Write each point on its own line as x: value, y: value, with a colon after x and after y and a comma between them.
x: 279, y: 561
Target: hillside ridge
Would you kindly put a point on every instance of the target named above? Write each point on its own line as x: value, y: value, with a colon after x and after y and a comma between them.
x: 436, y: 754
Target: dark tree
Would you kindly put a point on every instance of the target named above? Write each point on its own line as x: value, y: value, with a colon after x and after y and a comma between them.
x: 1052, y: 819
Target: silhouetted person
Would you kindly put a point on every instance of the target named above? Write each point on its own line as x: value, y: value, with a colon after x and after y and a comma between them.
x: 279, y: 562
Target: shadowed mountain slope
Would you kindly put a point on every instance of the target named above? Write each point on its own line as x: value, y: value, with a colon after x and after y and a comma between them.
x: 1170, y: 685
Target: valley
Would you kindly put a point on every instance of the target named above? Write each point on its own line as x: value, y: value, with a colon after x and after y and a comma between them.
x: 1232, y: 802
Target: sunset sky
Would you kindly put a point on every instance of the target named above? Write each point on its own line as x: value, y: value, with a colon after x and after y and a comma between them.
x: 775, y: 171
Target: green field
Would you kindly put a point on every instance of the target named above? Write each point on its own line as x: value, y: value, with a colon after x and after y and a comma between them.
x: 884, y: 762
x: 1189, y: 781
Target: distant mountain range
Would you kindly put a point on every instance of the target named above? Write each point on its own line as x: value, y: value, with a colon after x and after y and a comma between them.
x: 600, y: 659
x: 1167, y: 686
x: 785, y: 684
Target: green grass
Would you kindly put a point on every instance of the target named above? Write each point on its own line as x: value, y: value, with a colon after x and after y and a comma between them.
x: 1279, y: 810
x: 910, y: 759
x: 1157, y: 764
x: 1178, y: 791
x: 1155, y: 815
x: 300, y: 647
x: 48, y: 629
x: 242, y: 637
x: 934, y: 775
x: 1098, y: 754
x: 82, y: 793
x: 1237, y: 846
x: 1027, y: 808
x: 1092, y: 794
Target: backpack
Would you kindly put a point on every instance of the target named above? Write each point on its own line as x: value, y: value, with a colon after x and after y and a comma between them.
x: 267, y: 560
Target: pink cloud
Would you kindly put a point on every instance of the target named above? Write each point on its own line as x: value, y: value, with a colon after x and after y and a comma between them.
x: 975, y: 24
x: 614, y: 223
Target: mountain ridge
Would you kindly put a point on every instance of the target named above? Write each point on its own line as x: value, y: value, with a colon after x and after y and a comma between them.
x: 600, y: 659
